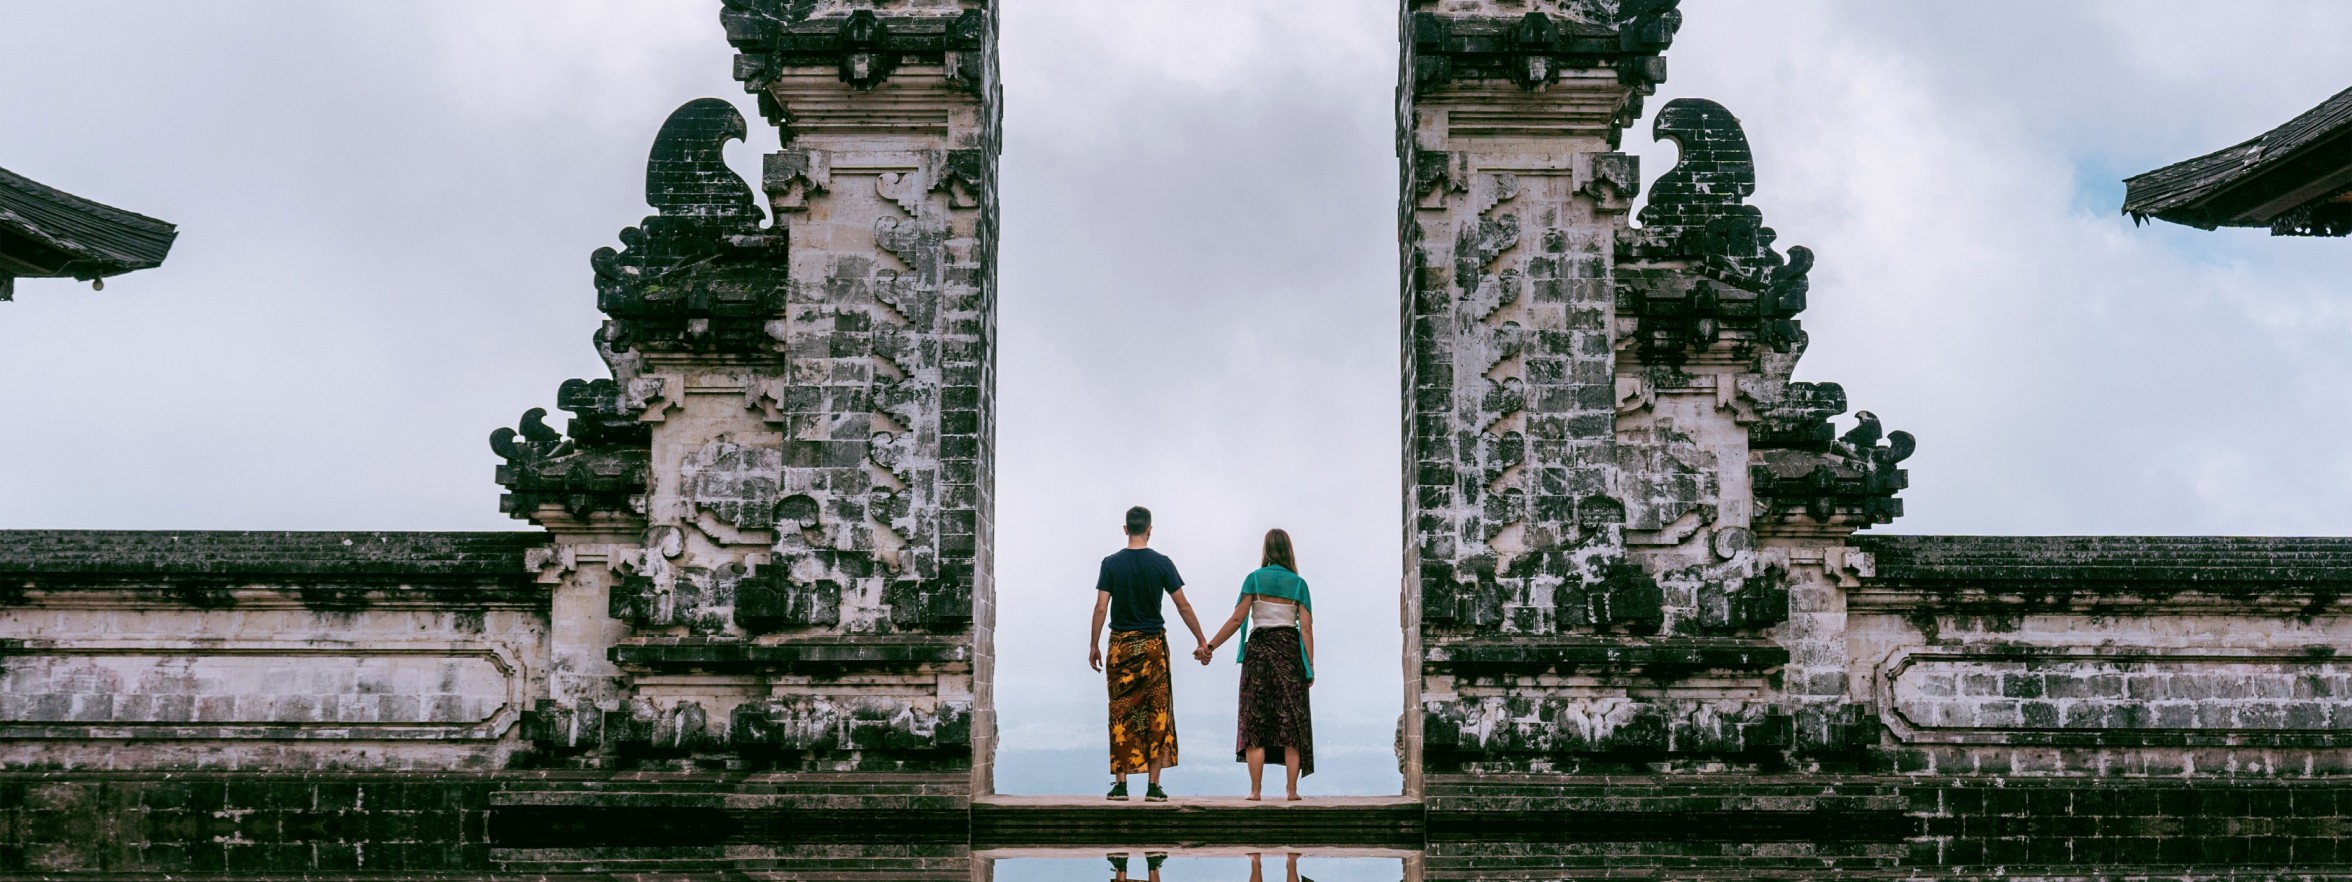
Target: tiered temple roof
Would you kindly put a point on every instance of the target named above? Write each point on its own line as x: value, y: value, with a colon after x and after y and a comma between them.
x: 49, y: 233
x: 2295, y: 179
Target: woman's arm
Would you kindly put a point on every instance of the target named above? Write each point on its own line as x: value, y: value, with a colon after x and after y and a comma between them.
x: 1307, y: 633
x: 1232, y: 624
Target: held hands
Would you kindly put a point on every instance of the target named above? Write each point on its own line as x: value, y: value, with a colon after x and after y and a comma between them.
x: 1203, y: 653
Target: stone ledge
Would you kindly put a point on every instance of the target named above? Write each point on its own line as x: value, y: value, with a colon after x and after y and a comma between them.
x: 2243, y: 575
x: 60, y: 556
x: 1523, y: 656
x: 865, y: 653
x: 2176, y: 562
x: 1534, y: 48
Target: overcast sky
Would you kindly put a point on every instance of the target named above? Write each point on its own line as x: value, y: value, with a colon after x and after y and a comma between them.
x: 387, y: 211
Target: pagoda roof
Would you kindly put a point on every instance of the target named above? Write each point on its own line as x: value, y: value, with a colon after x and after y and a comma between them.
x: 2295, y: 179
x: 49, y: 233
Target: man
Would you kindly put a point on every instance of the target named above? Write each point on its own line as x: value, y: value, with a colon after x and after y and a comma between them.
x: 1143, y: 713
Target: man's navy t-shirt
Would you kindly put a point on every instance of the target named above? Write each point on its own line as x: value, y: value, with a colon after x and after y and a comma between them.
x: 1136, y: 579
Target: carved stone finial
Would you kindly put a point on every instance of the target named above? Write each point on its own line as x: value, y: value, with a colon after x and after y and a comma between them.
x: 1700, y: 203
x: 1698, y: 212
x: 701, y: 275
x: 687, y: 175
x: 1853, y: 483
x: 601, y: 468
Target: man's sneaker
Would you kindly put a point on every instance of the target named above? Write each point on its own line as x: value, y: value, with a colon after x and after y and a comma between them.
x: 1155, y: 794
x: 1118, y: 791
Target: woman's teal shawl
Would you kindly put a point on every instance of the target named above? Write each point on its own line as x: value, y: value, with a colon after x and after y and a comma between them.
x: 1274, y: 580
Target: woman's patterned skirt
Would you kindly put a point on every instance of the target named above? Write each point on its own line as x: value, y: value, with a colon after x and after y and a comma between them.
x: 1274, y: 713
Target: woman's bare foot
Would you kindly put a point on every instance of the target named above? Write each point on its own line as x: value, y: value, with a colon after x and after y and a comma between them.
x: 1292, y: 797
x: 1252, y: 797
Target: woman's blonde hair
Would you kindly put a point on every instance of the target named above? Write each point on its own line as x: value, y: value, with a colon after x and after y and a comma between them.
x: 1278, y: 551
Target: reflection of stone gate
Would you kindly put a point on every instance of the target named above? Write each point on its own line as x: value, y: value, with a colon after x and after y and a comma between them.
x: 766, y: 561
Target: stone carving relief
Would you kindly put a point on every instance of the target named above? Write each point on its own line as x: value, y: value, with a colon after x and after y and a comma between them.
x: 1697, y: 212
x: 1527, y: 348
x: 864, y: 41
x: 700, y: 276
x: 848, y: 722
x: 2091, y: 696
x: 861, y: 471
x: 1854, y: 481
x: 1617, y: 411
x: 735, y: 484
x: 583, y: 478
x: 1701, y: 280
x: 1531, y: 44
x: 703, y: 274
x: 817, y: 509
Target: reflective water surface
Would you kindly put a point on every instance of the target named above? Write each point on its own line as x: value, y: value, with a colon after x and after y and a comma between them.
x: 1184, y: 865
x: 326, y: 827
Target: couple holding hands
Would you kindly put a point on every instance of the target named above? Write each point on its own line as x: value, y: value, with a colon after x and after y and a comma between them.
x: 1276, y: 620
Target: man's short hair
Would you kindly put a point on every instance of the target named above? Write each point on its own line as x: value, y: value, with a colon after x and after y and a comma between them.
x: 1138, y: 520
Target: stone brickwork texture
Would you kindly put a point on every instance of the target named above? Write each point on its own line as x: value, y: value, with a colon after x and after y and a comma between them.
x: 1585, y: 400
x: 1630, y: 530
x: 767, y: 531
x: 1634, y: 539
x: 266, y: 650
x: 791, y: 467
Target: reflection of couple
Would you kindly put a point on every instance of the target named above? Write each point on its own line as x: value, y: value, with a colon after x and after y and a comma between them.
x: 1276, y: 618
x: 1152, y: 861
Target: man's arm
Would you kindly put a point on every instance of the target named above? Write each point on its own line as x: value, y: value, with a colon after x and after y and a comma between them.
x: 1102, y: 611
x: 1184, y: 608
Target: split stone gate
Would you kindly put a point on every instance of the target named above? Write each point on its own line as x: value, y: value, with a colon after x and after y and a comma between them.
x: 765, y: 544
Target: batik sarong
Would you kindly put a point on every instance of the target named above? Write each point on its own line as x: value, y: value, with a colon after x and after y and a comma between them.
x: 1274, y: 713
x: 1143, y: 708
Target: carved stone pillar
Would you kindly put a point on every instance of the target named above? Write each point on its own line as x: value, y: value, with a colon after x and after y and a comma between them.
x: 787, y: 484
x: 1601, y: 560
x: 1752, y: 491
x: 1508, y: 123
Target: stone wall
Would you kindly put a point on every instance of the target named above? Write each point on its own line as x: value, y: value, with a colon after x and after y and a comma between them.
x: 2106, y: 655
x: 127, y: 650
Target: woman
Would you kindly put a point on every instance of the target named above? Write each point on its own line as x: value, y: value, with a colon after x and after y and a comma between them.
x: 1277, y: 665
